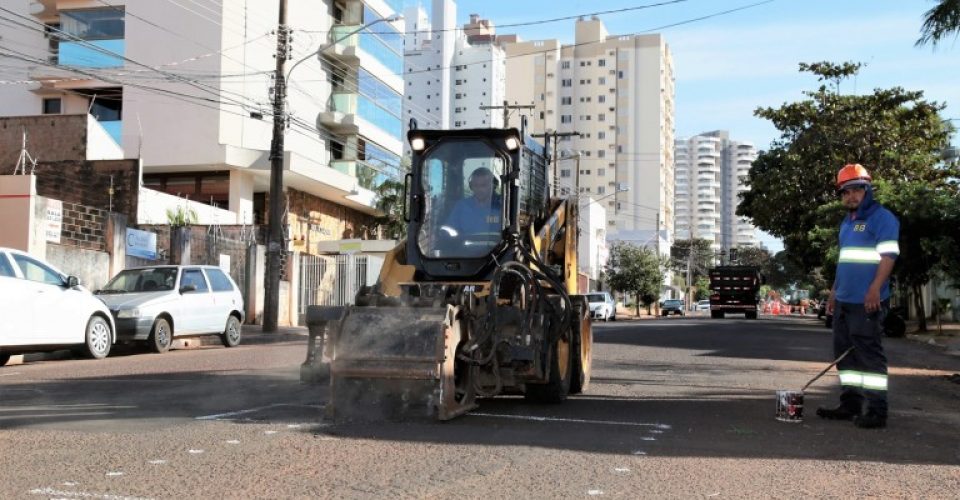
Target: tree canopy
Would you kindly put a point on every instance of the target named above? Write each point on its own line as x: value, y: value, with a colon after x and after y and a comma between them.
x: 637, y: 270
x: 895, y: 133
x: 940, y: 22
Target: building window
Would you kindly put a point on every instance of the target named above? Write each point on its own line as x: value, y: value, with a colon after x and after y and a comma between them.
x: 602, y: 80
x: 602, y: 62
x: 601, y: 135
x: 620, y: 75
x: 600, y: 190
x: 51, y: 106
x: 601, y: 117
x: 566, y: 82
x: 566, y: 101
x: 601, y: 98
x: 541, y: 115
x: 459, y: 82
x: 564, y: 172
x: 94, y: 24
x: 601, y: 153
x: 566, y: 119
x: 601, y: 172
x: 565, y: 65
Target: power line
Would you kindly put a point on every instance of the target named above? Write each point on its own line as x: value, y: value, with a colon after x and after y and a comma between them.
x: 527, y: 23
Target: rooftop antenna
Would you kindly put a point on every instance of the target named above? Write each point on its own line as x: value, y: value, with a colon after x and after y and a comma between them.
x: 25, y: 158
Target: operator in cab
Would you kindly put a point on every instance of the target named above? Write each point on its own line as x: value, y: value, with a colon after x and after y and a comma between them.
x: 479, y: 213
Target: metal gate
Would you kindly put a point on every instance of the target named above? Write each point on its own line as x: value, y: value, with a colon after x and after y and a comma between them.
x: 330, y: 280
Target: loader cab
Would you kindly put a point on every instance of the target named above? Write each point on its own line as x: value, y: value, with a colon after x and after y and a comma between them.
x: 459, y: 200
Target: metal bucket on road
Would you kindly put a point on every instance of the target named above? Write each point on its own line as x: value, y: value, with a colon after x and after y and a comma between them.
x: 790, y: 403
x: 790, y: 406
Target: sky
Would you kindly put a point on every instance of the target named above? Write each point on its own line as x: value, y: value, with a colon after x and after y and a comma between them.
x: 727, y: 66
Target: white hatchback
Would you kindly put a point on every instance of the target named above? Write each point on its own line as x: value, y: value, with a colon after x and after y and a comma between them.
x: 157, y: 303
x: 44, y: 310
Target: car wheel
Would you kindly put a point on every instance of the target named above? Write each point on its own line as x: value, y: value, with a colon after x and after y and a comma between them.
x: 4, y: 358
x: 161, y: 337
x: 98, y: 338
x: 231, y: 333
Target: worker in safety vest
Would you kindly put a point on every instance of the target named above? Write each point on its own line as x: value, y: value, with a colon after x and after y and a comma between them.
x: 860, y: 299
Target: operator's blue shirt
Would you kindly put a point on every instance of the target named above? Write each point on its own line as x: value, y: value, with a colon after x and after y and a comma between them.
x: 872, y: 232
x: 470, y: 217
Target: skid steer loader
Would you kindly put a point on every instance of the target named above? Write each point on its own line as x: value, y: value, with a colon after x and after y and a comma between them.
x: 479, y: 301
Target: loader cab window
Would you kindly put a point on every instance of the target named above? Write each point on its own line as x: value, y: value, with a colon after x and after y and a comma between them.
x: 464, y: 212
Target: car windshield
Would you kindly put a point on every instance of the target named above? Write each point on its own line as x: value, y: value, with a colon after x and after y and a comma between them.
x: 596, y: 297
x: 671, y: 303
x: 142, y: 280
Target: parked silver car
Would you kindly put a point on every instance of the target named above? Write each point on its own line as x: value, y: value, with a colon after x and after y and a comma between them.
x: 156, y: 304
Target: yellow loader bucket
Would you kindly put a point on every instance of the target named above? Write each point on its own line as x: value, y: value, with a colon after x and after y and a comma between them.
x: 395, y: 363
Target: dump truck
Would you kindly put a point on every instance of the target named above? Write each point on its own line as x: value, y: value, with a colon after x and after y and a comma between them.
x: 478, y: 301
x: 734, y: 289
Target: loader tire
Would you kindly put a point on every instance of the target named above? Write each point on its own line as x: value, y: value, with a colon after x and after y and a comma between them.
x: 582, y: 351
x: 561, y: 371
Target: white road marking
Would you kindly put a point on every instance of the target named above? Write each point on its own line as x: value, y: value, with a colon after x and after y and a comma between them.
x: 69, y: 483
x: 157, y: 462
x: 639, y: 452
x: 572, y: 420
x: 648, y: 438
x: 269, y: 432
x: 114, y: 474
x: 79, y: 494
x: 233, y: 441
x: 224, y: 416
x: 9, y: 374
x: 656, y: 431
x: 594, y: 492
x: 293, y: 426
x: 194, y: 452
x: 622, y: 469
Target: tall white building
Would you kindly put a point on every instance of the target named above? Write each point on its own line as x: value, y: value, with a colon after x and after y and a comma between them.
x: 618, y: 93
x: 451, y: 73
x: 710, y: 175
x: 187, y: 90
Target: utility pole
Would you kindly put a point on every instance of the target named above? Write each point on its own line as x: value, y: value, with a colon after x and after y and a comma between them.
x: 506, y: 107
x: 555, y: 136
x: 275, y: 241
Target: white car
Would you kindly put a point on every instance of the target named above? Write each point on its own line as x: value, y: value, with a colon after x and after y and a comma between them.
x: 602, y: 306
x: 46, y: 310
x: 155, y: 304
x: 703, y: 305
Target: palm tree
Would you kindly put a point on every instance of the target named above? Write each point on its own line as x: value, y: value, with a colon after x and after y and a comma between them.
x: 939, y: 22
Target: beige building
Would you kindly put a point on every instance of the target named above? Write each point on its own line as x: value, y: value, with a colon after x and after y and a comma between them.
x: 618, y: 93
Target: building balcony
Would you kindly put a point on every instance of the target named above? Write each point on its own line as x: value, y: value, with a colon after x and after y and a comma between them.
x: 342, y: 113
x: 346, y: 44
x: 114, y: 129
x: 367, y: 176
x: 86, y: 54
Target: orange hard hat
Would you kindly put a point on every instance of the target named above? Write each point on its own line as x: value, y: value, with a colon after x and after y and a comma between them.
x: 852, y: 173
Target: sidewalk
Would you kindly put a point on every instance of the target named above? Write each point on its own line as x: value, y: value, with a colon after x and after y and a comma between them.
x: 947, y: 336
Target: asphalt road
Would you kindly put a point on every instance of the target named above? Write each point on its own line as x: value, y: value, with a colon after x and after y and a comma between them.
x: 678, y: 408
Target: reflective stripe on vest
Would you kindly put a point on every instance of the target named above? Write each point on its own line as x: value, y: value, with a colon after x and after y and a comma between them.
x: 859, y: 255
x: 888, y: 247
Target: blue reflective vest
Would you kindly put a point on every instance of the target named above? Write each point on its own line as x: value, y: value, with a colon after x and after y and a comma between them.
x: 871, y: 233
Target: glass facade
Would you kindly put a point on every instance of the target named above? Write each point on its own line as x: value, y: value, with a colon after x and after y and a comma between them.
x: 382, y: 41
x: 82, y: 55
x: 379, y: 104
x: 102, y: 32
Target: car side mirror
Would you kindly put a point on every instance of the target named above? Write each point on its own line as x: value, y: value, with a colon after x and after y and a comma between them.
x: 73, y: 282
x: 188, y: 288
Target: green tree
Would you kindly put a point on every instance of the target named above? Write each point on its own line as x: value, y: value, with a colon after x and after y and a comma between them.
x: 697, y: 253
x: 703, y: 288
x: 895, y: 133
x: 636, y: 270
x: 939, y: 22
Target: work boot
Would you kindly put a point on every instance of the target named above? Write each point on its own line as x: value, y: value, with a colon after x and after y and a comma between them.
x: 839, y: 413
x: 870, y: 421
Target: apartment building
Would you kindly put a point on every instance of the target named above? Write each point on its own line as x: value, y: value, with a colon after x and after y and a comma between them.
x: 186, y: 87
x: 710, y: 173
x: 452, y: 73
x: 617, y: 92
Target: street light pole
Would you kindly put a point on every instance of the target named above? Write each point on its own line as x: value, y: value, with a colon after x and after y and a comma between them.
x: 275, y: 241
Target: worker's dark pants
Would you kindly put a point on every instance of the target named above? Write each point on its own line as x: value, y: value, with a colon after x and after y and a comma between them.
x: 863, y: 373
